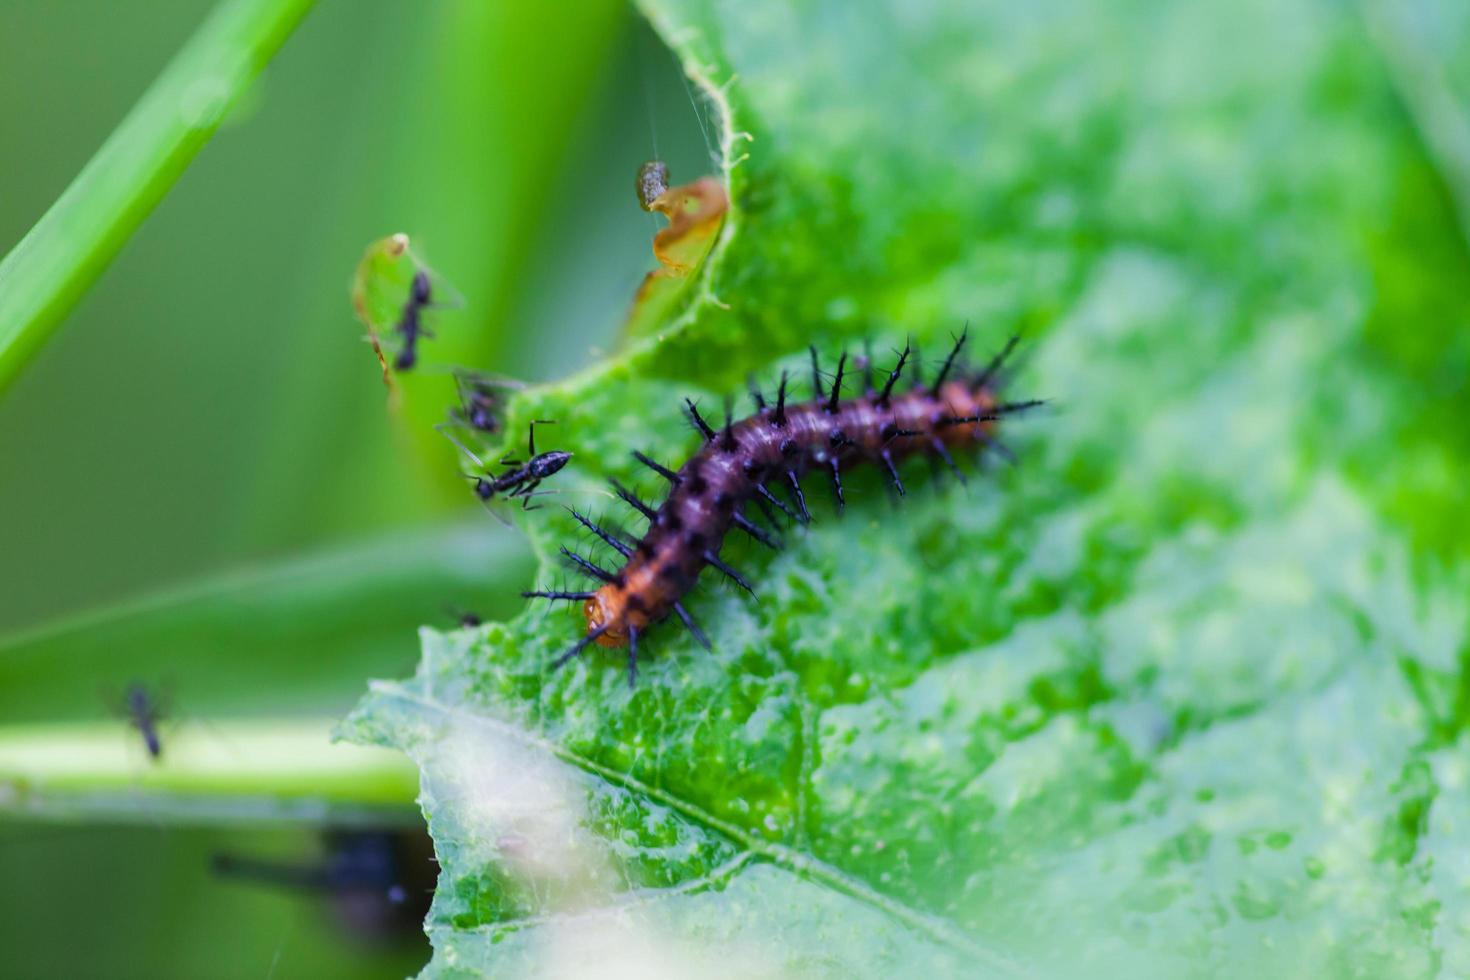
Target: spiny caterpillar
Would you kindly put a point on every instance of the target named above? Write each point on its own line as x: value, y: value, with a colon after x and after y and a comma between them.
x: 777, y: 445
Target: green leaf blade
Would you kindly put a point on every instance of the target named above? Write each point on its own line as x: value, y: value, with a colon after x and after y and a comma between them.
x: 53, y: 265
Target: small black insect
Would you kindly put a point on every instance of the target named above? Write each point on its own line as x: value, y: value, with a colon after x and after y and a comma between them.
x: 481, y: 400
x: 468, y: 620
x: 144, y: 714
x: 521, y: 479
x: 379, y: 881
x: 479, y: 405
x: 410, y: 326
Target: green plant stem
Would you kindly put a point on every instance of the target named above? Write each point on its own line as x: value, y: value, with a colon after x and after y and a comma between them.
x: 244, y: 771
x: 58, y: 259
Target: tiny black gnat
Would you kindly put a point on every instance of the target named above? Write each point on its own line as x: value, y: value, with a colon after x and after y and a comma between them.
x: 144, y: 712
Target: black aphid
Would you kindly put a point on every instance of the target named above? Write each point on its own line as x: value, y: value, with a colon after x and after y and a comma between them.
x: 410, y: 326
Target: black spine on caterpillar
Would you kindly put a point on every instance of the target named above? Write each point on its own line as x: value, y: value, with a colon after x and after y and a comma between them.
x: 738, y: 464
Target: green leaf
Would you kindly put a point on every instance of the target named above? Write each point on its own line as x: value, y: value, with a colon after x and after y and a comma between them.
x: 54, y: 264
x: 1182, y: 693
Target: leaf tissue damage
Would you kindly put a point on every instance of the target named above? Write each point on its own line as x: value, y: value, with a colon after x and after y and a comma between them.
x: 696, y: 213
x: 1180, y: 694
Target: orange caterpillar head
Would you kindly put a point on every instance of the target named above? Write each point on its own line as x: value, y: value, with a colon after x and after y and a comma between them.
x: 607, y: 607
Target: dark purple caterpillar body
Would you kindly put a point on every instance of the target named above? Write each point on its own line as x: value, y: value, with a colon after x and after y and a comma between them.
x: 738, y: 465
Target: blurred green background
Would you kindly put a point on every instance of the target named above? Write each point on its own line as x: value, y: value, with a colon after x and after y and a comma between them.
x: 207, y: 437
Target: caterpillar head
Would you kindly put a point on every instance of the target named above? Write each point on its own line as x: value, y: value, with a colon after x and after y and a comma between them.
x: 607, y: 606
